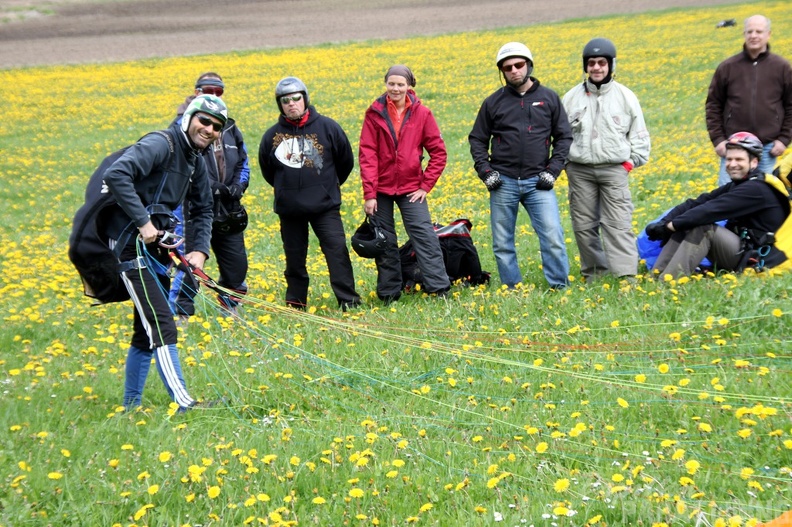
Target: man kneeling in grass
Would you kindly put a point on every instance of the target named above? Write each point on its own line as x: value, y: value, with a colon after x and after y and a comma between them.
x: 753, y: 204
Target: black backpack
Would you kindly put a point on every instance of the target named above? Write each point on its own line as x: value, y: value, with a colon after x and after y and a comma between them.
x: 88, y: 245
x: 460, y: 256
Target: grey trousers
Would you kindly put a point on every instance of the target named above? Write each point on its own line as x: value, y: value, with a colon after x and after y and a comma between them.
x: 601, y: 208
x: 685, y: 250
x: 418, y: 224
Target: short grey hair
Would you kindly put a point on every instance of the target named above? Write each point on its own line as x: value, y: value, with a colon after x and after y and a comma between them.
x: 766, y: 21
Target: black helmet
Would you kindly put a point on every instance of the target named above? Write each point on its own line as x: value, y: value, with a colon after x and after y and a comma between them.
x: 600, y: 47
x: 369, y: 240
x: 747, y: 141
x: 289, y: 85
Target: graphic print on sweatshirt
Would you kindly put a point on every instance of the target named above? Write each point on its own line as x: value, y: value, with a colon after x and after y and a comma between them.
x: 298, y: 151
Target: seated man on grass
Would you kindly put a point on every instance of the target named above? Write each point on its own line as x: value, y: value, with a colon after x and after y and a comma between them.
x: 754, y: 205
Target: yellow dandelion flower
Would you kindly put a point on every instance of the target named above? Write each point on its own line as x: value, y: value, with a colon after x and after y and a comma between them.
x: 356, y: 493
x: 213, y: 492
x: 319, y: 500
x: 692, y: 466
x: 744, y: 433
x: 561, y: 485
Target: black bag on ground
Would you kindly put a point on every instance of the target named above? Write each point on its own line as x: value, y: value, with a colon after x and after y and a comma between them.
x: 460, y: 256
x: 89, y: 250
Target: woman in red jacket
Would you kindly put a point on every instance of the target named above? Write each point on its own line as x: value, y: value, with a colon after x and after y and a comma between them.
x: 396, y: 130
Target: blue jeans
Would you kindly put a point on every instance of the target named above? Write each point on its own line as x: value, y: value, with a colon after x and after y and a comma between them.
x: 766, y: 165
x: 542, y: 208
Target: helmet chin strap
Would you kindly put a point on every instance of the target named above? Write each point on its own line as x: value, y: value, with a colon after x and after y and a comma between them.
x: 521, y: 83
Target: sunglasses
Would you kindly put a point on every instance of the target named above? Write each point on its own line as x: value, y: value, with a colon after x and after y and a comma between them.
x: 217, y: 91
x: 516, y: 66
x: 597, y: 62
x: 204, y: 120
x: 286, y: 99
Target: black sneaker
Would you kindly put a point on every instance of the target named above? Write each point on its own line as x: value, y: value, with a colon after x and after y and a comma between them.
x: 441, y: 293
x: 389, y: 299
x: 352, y: 304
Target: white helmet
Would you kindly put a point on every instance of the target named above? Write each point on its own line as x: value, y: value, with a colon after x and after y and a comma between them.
x: 513, y: 49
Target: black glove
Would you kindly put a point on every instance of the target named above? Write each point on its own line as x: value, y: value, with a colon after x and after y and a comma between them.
x: 219, y: 190
x: 234, y: 192
x: 545, y: 181
x: 492, y: 180
x: 658, y: 231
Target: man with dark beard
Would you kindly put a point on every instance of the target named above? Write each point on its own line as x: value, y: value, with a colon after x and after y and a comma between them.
x: 519, y: 144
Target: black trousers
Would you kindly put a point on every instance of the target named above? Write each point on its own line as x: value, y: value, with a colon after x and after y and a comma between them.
x: 330, y: 230
x: 153, y: 324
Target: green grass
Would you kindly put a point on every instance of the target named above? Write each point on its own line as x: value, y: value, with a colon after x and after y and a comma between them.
x: 543, y: 408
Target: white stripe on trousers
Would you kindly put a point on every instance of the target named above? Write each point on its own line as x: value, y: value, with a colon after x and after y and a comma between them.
x: 180, y: 394
x: 179, y: 390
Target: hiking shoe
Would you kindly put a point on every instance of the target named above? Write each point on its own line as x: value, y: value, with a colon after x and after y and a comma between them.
x: 389, y: 299
x: 352, y: 304
x: 202, y: 405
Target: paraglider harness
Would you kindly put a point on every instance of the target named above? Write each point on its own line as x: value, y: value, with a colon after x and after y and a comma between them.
x: 764, y: 250
x: 89, y: 249
x: 460, y: 256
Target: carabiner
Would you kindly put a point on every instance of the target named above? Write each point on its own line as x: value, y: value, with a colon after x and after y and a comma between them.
x: 170, y: 240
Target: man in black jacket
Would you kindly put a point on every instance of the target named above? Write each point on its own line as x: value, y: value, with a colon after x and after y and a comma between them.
x: 229, y: 174
x: 306, y: 157
x: 148, y: 182
x: 752, y: 208
x: 519, y: 144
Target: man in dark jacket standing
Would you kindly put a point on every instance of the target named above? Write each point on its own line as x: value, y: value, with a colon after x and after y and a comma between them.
x: 519, y: 144
x: 754, y: 211
x: 752, y: 92
x: 148, y: 182
x: 306, y: 157
x: 229, y: 174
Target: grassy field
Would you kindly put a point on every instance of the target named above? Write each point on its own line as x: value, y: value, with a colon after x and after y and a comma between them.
x: 655, y: 403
